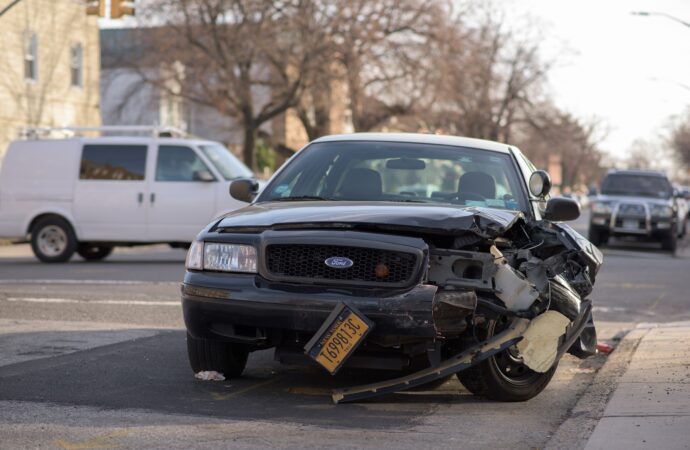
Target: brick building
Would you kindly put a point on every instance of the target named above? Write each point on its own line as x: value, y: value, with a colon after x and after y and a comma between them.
x: 49, y: 66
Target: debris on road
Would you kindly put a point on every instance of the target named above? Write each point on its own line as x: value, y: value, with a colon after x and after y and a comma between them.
x: 209, y: 375
x: 604, y: 348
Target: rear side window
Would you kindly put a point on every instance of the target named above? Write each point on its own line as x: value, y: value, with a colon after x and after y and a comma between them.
x: 113, y: 162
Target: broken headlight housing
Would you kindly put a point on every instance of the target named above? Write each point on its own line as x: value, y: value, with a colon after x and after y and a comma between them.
x: 660, y: 210
x: 601, y: 207
x: 221, y: 257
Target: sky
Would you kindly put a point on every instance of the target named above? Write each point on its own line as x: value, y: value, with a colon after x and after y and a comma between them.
x: 630, y: 71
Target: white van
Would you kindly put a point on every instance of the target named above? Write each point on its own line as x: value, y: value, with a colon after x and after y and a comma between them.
x: 90, y: 194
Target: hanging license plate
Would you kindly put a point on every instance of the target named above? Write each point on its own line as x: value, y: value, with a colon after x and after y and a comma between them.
x: 339, y: 336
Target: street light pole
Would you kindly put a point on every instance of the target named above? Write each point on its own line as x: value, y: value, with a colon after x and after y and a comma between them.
x: 668, y: 16
x: 8, y: 7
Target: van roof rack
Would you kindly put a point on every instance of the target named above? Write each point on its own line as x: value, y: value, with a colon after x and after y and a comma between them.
x: 106, y: 130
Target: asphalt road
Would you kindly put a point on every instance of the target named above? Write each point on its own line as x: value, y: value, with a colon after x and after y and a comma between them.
x: 92, y: 355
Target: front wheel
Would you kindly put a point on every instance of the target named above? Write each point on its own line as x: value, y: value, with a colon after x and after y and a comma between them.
x: 504, y: 377
x: 224, y: 357
x: 53, y: 240
x: 670, y: 241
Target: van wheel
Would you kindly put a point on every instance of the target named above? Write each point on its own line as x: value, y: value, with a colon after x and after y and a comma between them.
x: 224, y: 357
x: 94, y: 252
x: 53, y: 240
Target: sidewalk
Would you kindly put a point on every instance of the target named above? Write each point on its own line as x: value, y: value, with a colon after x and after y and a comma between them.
x: 650, y: 407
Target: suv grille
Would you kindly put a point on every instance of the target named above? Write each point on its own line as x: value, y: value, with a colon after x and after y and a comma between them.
x: 370, y: 265
x: 631, y: 209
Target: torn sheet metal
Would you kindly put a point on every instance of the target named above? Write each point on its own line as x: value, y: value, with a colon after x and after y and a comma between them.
x: 468, y: 358
x: 539, y: 344
x: 512, y: 288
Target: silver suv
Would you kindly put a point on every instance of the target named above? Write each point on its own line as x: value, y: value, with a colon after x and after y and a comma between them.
x: 637, y: 203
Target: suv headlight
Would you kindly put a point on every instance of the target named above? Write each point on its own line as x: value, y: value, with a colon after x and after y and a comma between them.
x: 221, y: 257
x: 660, y: 210
x: 601, y: 208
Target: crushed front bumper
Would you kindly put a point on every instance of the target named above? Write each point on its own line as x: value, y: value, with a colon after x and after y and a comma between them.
x: 218, y: 306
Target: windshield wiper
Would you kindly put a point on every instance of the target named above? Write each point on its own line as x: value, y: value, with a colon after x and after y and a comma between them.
x: 298, y: 198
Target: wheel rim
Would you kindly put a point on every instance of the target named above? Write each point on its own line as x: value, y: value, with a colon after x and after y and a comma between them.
x: 508, y: 364
x: 52, y: 240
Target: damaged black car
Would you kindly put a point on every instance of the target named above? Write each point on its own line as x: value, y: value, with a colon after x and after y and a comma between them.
x: 427, y: 255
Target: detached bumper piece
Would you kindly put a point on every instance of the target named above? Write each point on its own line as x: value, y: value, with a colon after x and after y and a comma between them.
x: 457, y: 363
x: 466, y: 359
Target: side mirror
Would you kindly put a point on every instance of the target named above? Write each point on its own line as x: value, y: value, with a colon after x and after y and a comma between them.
x: 540, y: 183
x: 244, y: 189
x: 561, y: 209
x: 203, y: 175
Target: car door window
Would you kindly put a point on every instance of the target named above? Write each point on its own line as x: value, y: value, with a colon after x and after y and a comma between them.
x: 113, y: 162
x: 178, y: 163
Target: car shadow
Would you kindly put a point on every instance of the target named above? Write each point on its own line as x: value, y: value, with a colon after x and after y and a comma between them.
x: 152, y: 374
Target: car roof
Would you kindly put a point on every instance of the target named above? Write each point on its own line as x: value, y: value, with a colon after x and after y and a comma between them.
x: 419, y: 138
x: 124, y: 140
x: 638, y: 172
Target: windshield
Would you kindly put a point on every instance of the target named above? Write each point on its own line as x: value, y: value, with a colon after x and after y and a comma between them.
x: 636, y: 185
x: 399, y: 172
x: 226, y: 163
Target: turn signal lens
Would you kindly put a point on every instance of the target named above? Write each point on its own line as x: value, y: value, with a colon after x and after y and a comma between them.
x: 195, y: 256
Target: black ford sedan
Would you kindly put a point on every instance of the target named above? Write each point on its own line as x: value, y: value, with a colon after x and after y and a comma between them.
x: 426, y: 255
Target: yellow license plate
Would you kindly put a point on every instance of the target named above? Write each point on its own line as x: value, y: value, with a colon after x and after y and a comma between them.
x: 338, y: 338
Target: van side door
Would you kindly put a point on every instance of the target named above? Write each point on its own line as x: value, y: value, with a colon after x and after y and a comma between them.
x: 110, y: 192
x: 183, y: 194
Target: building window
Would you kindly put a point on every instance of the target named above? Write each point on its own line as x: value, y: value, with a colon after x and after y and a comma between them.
x: 31, y: 56
x: 76, y: 65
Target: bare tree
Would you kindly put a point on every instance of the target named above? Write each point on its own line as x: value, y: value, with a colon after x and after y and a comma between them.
x: 550, y: 131
x: 247, y: 59
x: 490, y: 77
x: 680, y: 139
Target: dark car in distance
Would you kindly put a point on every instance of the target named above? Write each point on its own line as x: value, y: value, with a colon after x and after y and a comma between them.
x: 638, y: 204
x: 426, y: 255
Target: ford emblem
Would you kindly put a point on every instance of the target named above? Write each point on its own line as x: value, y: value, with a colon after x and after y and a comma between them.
x: 338, y: 262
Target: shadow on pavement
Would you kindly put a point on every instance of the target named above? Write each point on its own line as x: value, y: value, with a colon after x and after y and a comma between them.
x: 153, y: 374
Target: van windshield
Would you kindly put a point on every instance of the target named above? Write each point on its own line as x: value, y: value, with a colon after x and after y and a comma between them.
x: 227, y: 164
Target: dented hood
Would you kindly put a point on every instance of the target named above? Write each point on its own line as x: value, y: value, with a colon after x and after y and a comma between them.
x: 432, y: 218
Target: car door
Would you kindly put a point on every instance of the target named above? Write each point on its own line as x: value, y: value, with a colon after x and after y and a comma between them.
x: 109, y: 194
x: 182, y: 196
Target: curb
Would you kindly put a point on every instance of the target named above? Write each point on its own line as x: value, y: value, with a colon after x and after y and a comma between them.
x: 575, y: 431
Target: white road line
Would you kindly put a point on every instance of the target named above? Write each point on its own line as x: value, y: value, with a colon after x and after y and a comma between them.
x: 58, y: 281
x: 93, y: 302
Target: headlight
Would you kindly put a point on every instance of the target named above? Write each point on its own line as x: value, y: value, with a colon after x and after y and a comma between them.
x: 661, y: 210
x: 221, y: 257
x: 601, y: 208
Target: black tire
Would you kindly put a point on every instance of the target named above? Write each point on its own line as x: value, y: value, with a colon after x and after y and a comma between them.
x: 503, y: 377
x: 597, y: 236
x: 94, y: 252
x: 670, y: 242
x: 224, y: 357
x: 53, y: 239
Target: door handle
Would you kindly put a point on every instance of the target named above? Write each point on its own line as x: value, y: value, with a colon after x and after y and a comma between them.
x: 140, y: 197
x: 153, y: 197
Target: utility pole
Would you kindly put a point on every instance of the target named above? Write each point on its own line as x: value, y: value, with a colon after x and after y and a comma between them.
x: 8, y: 7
